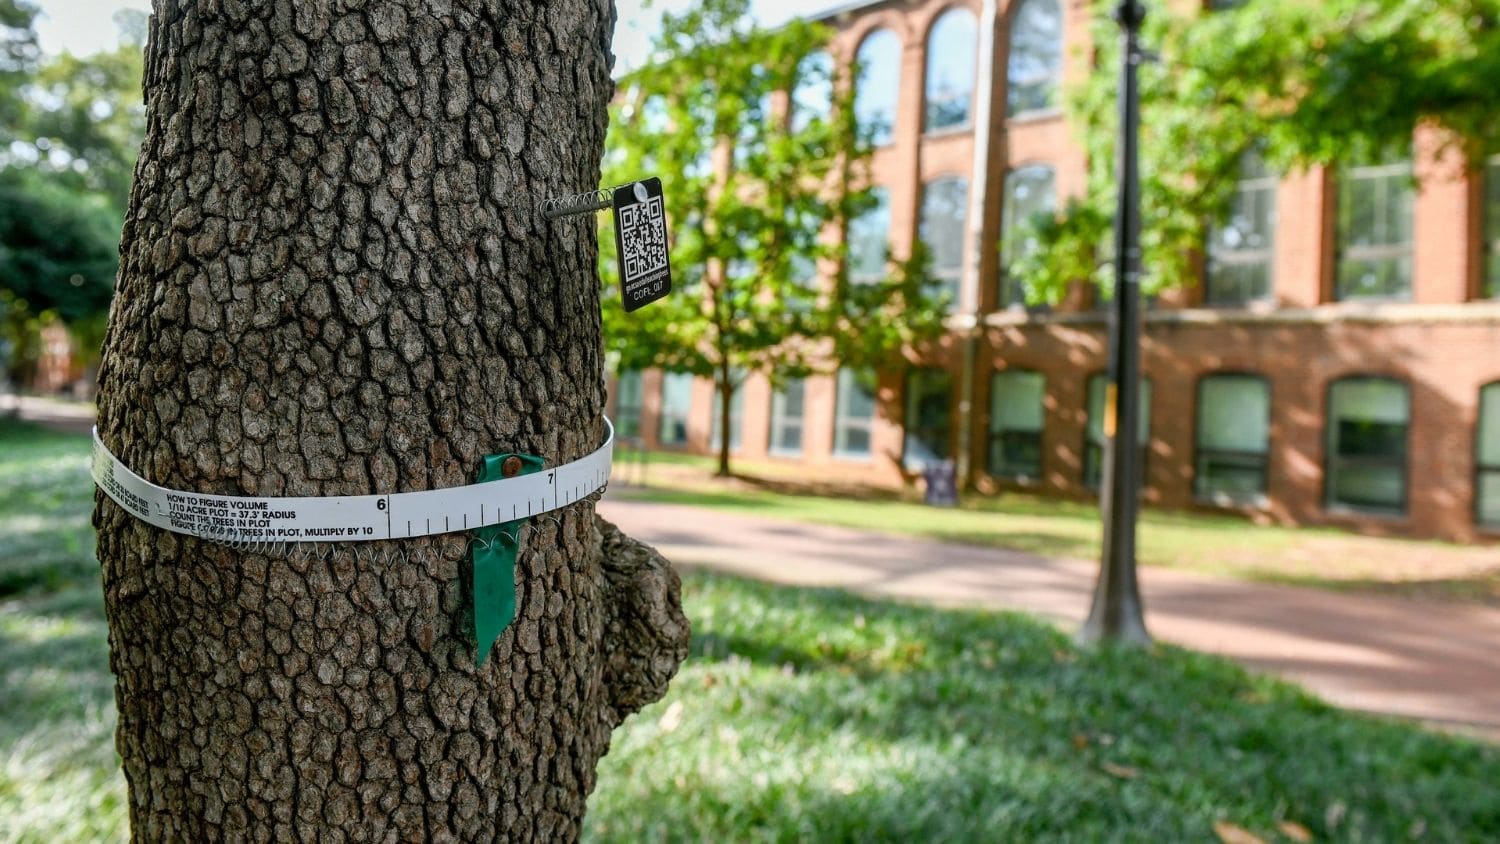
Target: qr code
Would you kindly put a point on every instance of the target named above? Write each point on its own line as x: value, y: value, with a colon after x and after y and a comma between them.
x: 643, y: 239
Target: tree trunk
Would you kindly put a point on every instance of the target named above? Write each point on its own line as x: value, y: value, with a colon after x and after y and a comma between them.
x: 335, y: 281
x: 725, y: 395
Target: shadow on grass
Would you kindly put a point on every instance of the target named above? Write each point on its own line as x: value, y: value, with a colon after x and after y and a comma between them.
x: 998, y: 728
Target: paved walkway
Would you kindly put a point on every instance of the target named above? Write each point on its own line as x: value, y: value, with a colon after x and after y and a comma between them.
x: 75, y: 417
x: 1433, y: 661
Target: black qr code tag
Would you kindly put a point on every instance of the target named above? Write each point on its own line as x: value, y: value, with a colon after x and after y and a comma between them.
x: 641, y: 238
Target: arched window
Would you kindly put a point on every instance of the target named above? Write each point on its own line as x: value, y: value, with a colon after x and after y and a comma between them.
x: 869, y: 239
x: 812, y: 93
x: 1234, y: 438
x: 945, y: 203
x: 951, y: 49
x: 879, y: 84
x: 1017, y: 416
x: 1366, y: 435
x: 1029, y: 191
x: 1487, y: 451
x: 1036, y: 50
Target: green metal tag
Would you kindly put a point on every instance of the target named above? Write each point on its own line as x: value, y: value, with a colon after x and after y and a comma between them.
x: 492, y: 585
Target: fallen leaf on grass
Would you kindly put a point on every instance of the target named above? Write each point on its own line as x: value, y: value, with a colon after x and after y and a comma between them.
x: 671, y: 718
x: 1295, y: 831
x: 1124, y: 772
x: 1231, y: 834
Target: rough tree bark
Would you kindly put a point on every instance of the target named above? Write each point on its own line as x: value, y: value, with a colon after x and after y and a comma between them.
x: 335, y: 281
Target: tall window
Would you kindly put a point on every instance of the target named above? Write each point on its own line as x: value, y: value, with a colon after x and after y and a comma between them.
x: 1036, y: 51
x: 1093, y: 446
x: 928, y: 394
x: 786, y: 419
x: 736, y: 414
x: 1029, y: 191
x: 1016, y: 418
x: 951, y: 49
x: 1367, y: 429
x: 1491, y: 287
x: 879, y: 83
x: 812, y: 94
x: 1487, y: 448
x: 628, y: 404
x: 853, y: 413
x: 676, y: 402
x: 1240, y: 248
x: 1234, y: 436
x: 869, y: 239
x: 1375, y: 212
x: 944, y: 205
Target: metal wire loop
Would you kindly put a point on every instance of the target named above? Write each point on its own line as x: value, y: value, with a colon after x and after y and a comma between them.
x: 578, y: 203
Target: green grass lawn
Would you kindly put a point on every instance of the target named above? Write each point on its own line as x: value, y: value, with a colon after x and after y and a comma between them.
x: 1203, y: 542
x: 809, y: 714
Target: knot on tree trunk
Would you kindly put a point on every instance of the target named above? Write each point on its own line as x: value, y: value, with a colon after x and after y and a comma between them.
x: 645, y: 631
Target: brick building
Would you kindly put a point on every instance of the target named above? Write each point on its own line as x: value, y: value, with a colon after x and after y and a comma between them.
x: 1339, y: 363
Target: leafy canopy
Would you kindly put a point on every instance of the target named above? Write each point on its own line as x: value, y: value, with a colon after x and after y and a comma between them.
x: 1298, y: 83
x: 763, y: 166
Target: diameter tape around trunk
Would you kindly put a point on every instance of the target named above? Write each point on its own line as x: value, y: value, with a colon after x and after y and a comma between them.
x: 346, y: 518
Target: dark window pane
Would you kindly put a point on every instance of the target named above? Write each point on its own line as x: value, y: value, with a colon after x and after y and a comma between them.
x: 1029, y: 191
x: 1233, y: 437
x: 869, y: 240
x: 1240, y: 248
x: 1017, y: 417
x: 786, y: 418
x: 950, y: 70
x: 879, y: 82
x: 1368, y: 420
x: 812, y: 97
x: 1035, y: 63
x: 628, y: 405
x: 1375, y: 213
x: 1093, y: 450
x: 944, y: 209
x: 676, y: 402
x: 928, y: 396
x: 854, y: 412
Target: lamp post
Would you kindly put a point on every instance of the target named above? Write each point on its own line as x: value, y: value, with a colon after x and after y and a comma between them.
x: 1116, y: 611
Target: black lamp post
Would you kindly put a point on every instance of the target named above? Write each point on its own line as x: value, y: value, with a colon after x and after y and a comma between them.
x: 1116, y: 611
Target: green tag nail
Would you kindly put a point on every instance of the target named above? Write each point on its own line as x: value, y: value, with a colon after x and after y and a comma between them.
x: 492, y: 583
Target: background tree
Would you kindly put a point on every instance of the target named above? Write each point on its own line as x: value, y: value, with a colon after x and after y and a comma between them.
x: 763, y: 167
x: 18, y: 57
x: 72, y: 131
x: 335, y: 279
x: 1299, y: 84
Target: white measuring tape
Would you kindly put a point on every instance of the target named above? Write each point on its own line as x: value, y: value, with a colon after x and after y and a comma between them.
x: 346, y: 518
